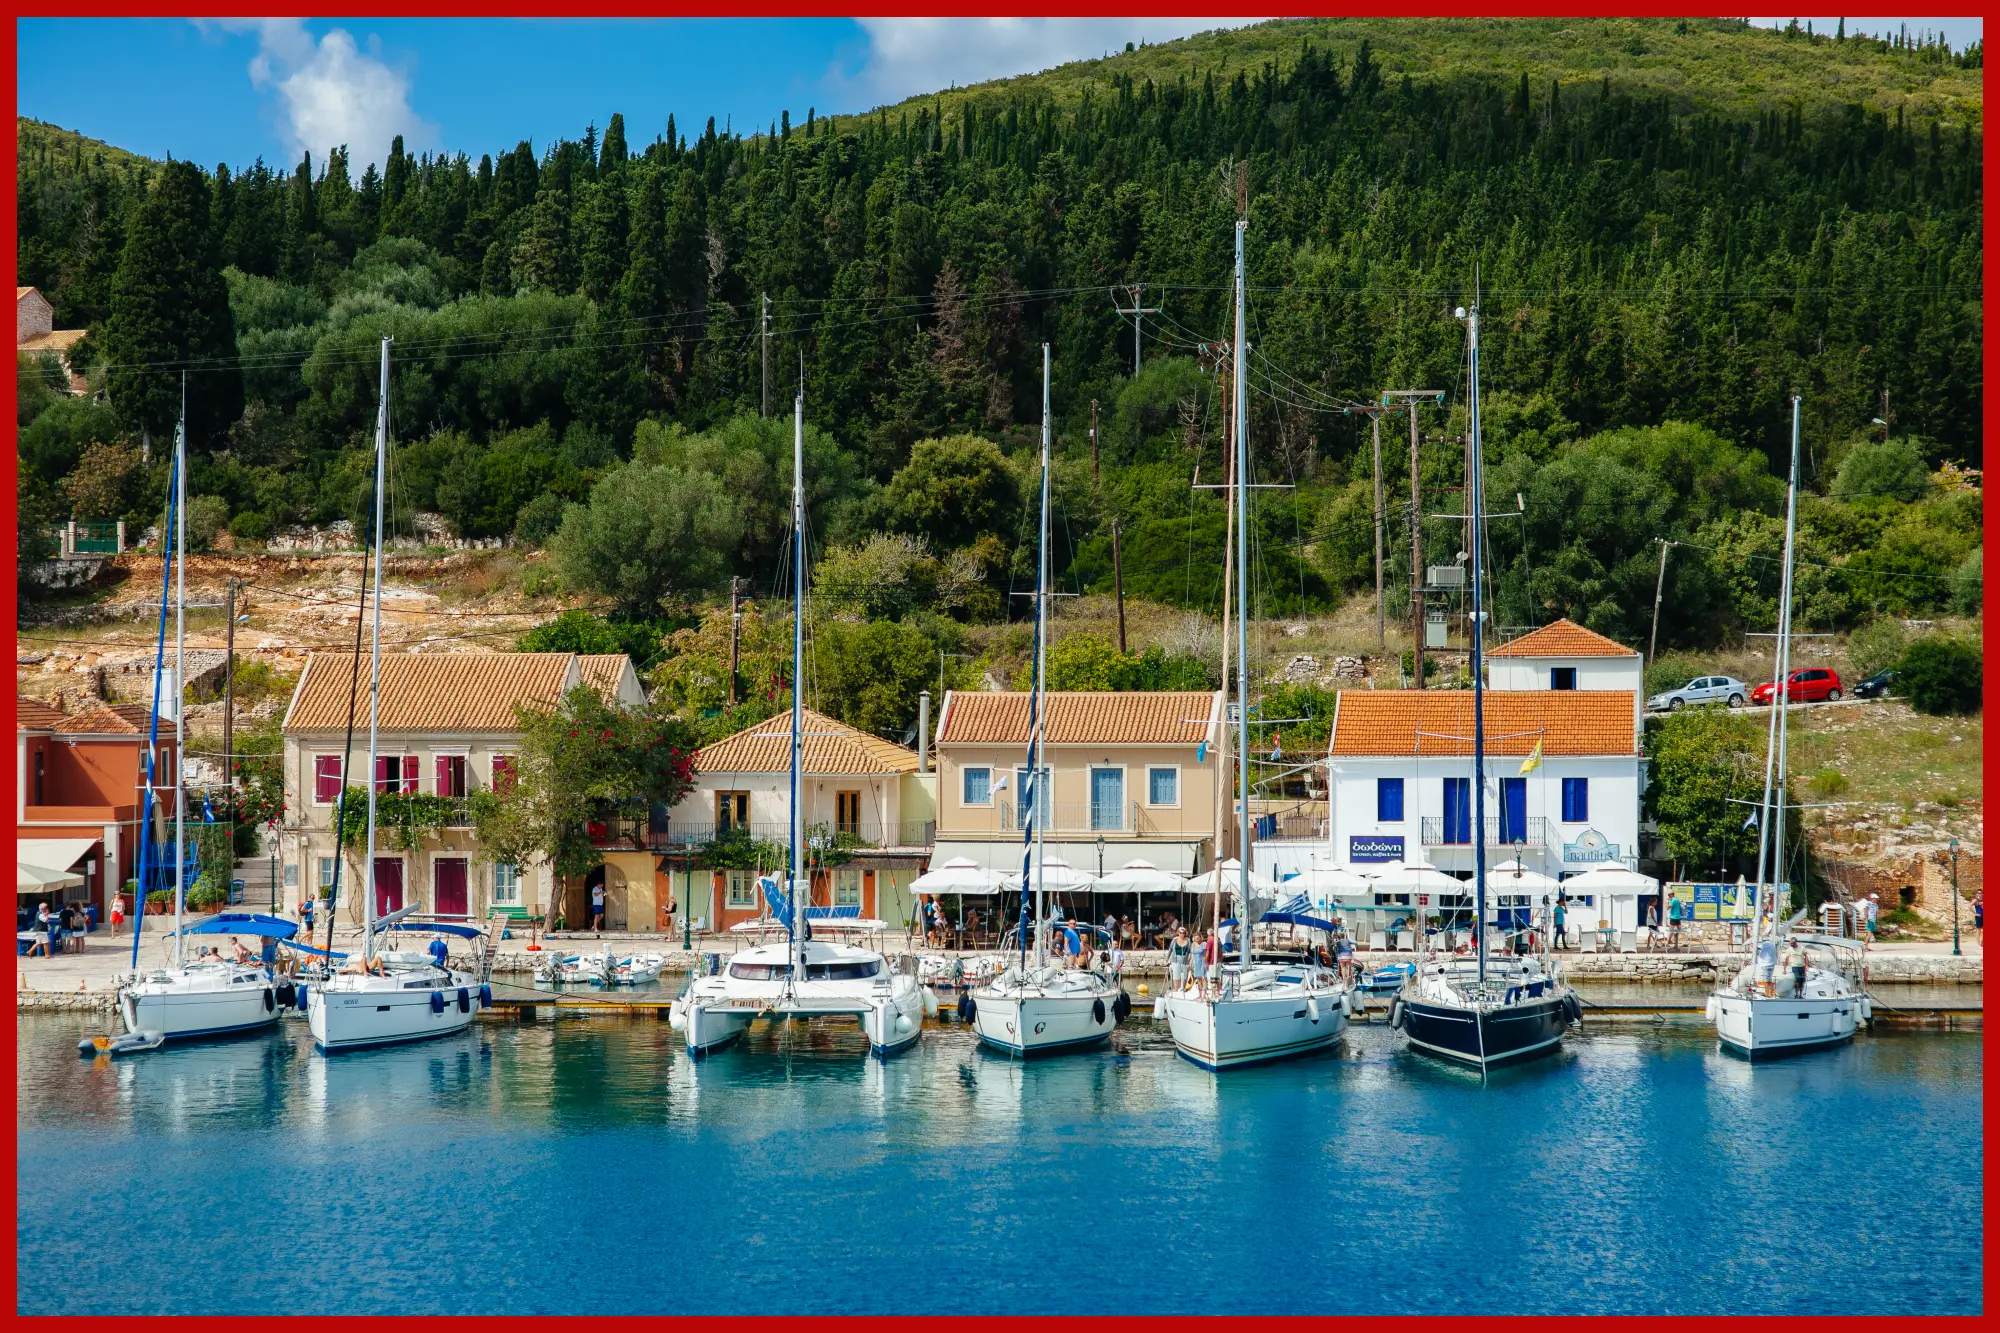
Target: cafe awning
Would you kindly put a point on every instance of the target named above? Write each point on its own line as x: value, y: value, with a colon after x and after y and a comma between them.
x: 46, y: 864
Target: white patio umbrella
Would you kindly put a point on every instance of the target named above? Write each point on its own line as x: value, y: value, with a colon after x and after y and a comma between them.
x: 1417, y: 877
x: 961, y: 874
x: 40, y: 879
x: 1056, y: 875
x: 1612, y: 879
x: 1228, y: 877
x: 1140, y: 877
x: 1513, y: 877
x: 1324, y: 883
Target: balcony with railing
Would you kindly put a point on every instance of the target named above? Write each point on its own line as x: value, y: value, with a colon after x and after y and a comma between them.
x: 1532, y: 831
x: 1103, y: 819
x: 684, y: 834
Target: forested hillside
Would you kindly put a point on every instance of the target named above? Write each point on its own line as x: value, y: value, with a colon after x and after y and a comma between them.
x: 1661, y: 261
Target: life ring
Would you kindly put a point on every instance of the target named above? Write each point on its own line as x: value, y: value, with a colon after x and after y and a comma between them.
x: 1097, y: 1011
x: 437, y: 1001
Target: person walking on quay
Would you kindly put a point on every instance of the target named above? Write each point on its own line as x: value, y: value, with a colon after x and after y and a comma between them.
x: 1873, y: 905
x: 1795, y: 959
x: 42, y: 926
x: 597, y: 907
x: 1674, y: 922
x: 1653, y: 924
x: 1179, y: 953
x: 1562, y: 919
x: 117, y: 912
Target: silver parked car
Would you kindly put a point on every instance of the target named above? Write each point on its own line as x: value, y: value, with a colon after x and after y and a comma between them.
x: 1702, y: 690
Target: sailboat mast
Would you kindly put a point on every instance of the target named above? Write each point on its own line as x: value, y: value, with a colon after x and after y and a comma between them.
x: 1035, y: 763
x: 147, y: 843
x: 1476, y: 483
x: 180, y: 672
x: 375, y: 656
x: 799, y: 894
x: 1768, y: 838
x: 1242, y: 617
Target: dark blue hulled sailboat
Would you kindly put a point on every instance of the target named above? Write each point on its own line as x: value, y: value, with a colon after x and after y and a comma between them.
x: 1483, y: 1011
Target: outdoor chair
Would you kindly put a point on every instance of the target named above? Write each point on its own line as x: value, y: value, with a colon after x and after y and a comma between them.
x: 1378, y: 941
x: 1406, y: 940
x: 1586, y: 941
x: 1628, y: 941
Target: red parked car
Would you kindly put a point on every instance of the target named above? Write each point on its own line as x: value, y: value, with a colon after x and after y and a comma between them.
x: 1810, y: 685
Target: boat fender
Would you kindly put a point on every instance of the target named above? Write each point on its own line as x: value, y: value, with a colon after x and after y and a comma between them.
x: 437, y: 1001
x: 464, y: 1000
x: 1312, y: 1007
x: 485, y: 997
x: 1867, y: 1009
x: 270, y: 1001
x: 1159, y: 1006
x: 288, y: 994
x: 1714, y: 1008
x: 903, y: 1023
x: 930, y: 1003
x: 966, y: 1007
x: 302, y: 997
x: 1396, y: 1012
x: 1097, y: 1011
x: 1122, y: 1006
x: 1574, y: 1008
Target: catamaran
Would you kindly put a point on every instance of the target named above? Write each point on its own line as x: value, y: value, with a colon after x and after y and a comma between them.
x: 1759, y: 1013
x: 216, y: 996
x: 1259, y: 1011
x: 1483, y: 1011
x: 1030, y: 1009
x: 394, y: 995
x: 802, y: 977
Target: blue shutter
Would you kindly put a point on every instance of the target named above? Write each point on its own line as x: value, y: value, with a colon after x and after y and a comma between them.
x: 1513, y: 810
x: 1457, y: 811
x: 1388, y: 800
x: 1576, y: 800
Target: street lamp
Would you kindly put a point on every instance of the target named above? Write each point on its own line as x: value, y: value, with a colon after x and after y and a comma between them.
x: 1100, y: 856
x: 1954, y: 897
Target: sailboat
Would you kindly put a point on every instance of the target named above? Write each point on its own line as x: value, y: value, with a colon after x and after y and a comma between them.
x: 1484, y: 1011
x: 1261, y: 1011
x: 395, y: 996
x: 1028, y: 1010
x: 1757, y: 1013
x: 803, y: 977
x: 216, y: 996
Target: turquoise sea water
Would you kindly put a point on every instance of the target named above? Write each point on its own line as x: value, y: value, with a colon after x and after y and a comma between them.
x: 587, y: 1167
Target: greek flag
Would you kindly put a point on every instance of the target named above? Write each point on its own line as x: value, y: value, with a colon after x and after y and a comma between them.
x: 777, y: 900
x: 1751, y: 822
x: 207, y: 811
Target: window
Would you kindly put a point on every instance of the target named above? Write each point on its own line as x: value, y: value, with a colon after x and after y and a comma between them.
x: 291, y: 877
x: 1163, y: 786
x: 1562, y: 678
x: 847, y: 887
x: 1388, y: 800
x: 1576, y: 800
x: 760, y: 971
x: 976, y: 786
x: 41, y: 765
x: 742, y: 893
x: 326, y: 872
x: 396, y: 772
x: 326, y: 779
x: 503, y: 772
x: 506, y: 885
x: 847, y: 812
x: 450, y: 775
x: 1107, y: 799
x: 732, y: 810
x: 1457, y: 811
x: 1024, y: 799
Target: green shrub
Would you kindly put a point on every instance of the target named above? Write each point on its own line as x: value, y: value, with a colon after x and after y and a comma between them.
x: 251, y: 526
x: 207, y: 517
x: 1940, y: 675
x: 539, y: 519
x: 1877, y: 646
x: 208, y: 892
x: 1894, y: 468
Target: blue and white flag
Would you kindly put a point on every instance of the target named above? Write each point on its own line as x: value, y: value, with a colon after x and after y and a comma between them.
x: 1751, y: 822
x: 207, y: 811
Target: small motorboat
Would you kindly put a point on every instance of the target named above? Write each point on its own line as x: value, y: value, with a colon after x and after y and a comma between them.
x: 574, y: 969
x: 125, y: 1043
x: 636, y: 970
x: 1386, y: 980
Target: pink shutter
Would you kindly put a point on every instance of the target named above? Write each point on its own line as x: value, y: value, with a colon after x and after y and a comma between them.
x: 503, y: 772
x: 410, y: 766
x: 442, y: 765
x: 326, y: 779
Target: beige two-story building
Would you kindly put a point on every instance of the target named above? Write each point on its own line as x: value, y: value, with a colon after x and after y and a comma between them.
x: 447, y: 726
x: 1130, y: 775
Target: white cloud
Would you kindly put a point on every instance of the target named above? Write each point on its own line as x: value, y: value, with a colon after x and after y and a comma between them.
x: 909, y: 56
x: 330, y: 92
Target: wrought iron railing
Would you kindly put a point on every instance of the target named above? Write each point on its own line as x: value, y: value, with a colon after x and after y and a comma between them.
x: 1532, y: 831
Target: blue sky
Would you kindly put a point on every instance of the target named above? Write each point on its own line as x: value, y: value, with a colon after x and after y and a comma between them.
x: 233, y: 90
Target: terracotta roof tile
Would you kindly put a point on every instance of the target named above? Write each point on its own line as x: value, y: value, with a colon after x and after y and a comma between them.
x: 1563, y: 638
x: 432, y: 691
x: 1388, y: 722
x: 34, y: 715
x: 602, y: 672
x: 831, y: 748
x: 113, y: 720
x: 1124, y: 717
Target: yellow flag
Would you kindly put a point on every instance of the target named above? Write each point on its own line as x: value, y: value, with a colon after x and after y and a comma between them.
x: 1534, y: 759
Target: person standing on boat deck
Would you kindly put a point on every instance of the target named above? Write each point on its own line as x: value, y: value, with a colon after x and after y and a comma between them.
x: 1072, y: 946
x: 1211, y: 961
x: 1795, y: 959
x: 1344, y: 952
x: 239, y: 951
x: 1767, y: 959
x: 597, y: 907
x: 1179, y: 951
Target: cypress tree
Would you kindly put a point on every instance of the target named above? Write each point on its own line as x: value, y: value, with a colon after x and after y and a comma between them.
x: 614, y: 152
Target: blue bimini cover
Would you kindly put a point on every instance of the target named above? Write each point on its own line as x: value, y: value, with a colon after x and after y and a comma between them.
x: 245, y: 923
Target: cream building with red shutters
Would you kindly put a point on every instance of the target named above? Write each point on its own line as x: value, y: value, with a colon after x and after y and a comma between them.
x: 447, y: 727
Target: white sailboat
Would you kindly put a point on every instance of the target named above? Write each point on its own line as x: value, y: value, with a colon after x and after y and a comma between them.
x: 216, y: 997
x: 1034, y: 1008
x: 1762, y: 1012
x: 802, y: 977
x: 1259, y: 1012
x: 395, y: 996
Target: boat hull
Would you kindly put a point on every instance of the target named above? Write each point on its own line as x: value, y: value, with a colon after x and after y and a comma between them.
x: 1766, y: 1028
x: 181, y: 1015
x: 1231, y: 1033
x: 349, y: 1020
x: 1502, y: 1034
x: 892, y: 1020
x: 1032, y: 1024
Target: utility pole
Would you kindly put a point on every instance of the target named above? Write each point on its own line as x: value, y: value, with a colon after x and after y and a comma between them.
x: 765, y: 300
x: 229, y: 696
x: 735, y: 634
x: 1659, y: 587
x: 1411, y: 398
x: 1093, y: 440
x: 1118, y: 583
x: 1136, y: 312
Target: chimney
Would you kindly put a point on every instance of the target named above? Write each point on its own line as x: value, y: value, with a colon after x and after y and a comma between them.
x: 924, y: 732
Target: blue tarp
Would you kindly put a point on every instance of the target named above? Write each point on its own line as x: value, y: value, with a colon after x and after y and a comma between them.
x: 437, y: 928
x: 833, y: 913
x: 307, y: 948
x: 1297, y: 919
x: 245, y: 923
